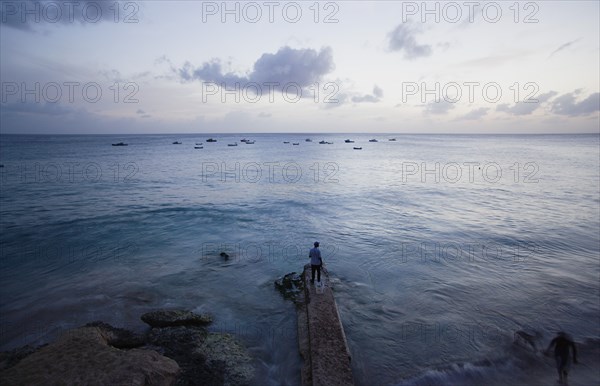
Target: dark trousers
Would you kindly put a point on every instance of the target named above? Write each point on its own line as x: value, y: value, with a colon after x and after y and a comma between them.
x: 314, y: 268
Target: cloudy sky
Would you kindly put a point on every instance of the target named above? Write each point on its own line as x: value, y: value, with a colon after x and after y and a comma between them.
x: 345, y: 66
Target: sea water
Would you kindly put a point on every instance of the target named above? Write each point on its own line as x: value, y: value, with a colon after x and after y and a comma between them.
x: 440, y: 247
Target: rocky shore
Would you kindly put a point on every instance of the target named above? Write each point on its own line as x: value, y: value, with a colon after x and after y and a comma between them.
x: 176, y: 350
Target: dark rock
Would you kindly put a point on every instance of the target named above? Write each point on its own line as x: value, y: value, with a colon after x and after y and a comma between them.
x: 119, y: 337
x: 11, y: 358
x: 224, y: 352
x: 182, y: 354
x: 205, y: 358
x: 291, y: 286
x: 179, y: 343
x: 169, y: 318
x: 83, y: 357
x: 224, y: 255
x: 177, y: 340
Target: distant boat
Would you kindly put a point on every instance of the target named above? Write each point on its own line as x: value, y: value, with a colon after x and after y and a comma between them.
x: 308, y: 140
x: 349, y: 141
x: 325, y: 143
x: 176, y: 143
x: 286, y: 141
x: 243, y: 140
x: 392, y: 139
x: 232, y: 144
x: 198, y: 144
x: 198, y: 147
x: 373, y: 140
x: 119, y: 144
x: 357, y: 148
x: 295, y: 143
x: 211, y: 140
x: 248, y: 142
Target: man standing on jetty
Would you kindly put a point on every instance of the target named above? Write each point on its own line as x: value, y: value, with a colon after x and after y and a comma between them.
x: 315, y: 263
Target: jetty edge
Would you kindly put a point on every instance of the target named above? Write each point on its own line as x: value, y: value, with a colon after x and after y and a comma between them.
x: 321, y: 338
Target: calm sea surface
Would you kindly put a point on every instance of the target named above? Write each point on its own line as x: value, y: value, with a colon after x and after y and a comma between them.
x: 440, y: 247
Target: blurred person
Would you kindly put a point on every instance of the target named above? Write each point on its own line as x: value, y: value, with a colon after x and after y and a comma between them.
x: 562, y: 344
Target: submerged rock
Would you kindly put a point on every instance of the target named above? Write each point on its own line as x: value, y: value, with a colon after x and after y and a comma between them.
x: 83, y: 356
x: 177, y: 351
x: 291, y: 286
x: 179, y: 343
x: 169, y: 318
x: 11, y: 358
x: 222, y: 350
x: 224, y: 255
x: 119, y: 337
x: 205, y: 358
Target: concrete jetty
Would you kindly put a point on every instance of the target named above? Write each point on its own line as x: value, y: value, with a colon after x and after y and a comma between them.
x: 321, y: 337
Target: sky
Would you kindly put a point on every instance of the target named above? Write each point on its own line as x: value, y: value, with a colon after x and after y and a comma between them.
x: 132, y: 67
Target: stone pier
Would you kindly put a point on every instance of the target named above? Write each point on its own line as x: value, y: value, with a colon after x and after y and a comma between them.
x: 321, y: 337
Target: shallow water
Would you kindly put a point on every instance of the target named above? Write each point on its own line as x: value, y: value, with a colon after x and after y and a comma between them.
x: 433, y: 271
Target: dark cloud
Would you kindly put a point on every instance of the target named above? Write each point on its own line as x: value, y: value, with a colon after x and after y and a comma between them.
x: 376, y: 97
x: 143, y: 114
x: 562, y: 47
x: 365, y: 98
x: 377, y: 91
x: 39, y: 109
x: 526, y: 108
x: 210, y: 72
x: 403, y: 39
x: 567, y: 105
x: 28, y: 14
x: 438, y: 108
x: 475, y: 114
x: 303, y: 67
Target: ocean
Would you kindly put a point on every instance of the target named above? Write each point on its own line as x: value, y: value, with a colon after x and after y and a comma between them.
x: 440, y: 247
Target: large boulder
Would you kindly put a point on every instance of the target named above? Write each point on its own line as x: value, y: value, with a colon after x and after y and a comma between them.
x: 290, y: 286
x: 205, y: 358
x: 83, y: 356
x: 171, y: 318
x: 223, y: 351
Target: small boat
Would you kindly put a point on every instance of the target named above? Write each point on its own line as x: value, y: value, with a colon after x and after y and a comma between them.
x: 373, y: 140
x: 176, y: 143
x: 243, y: 140
x: 357, y: 148
x: 120, y: 144
x: 392, y: 139
x: 211, y: 140
x: 322, y: 142
x: 295, y: 143
x: 308, y: 140
x: 198, y: 144
x: 286, y: 141
x: 349, y: 141
x: 248, y: 142
x: 232, y: 144
x: 198, y: 147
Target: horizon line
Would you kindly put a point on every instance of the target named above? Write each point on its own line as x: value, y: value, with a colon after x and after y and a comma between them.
x: 302, y: 133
